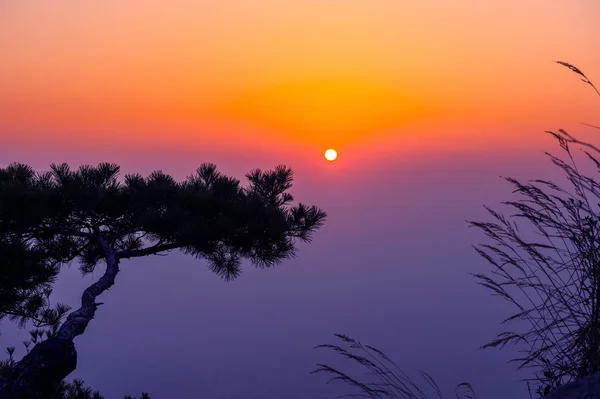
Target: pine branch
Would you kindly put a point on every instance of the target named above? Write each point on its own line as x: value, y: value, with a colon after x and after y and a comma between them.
x: 152, y: 250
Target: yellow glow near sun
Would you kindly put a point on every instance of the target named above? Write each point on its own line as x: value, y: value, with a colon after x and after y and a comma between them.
x: 320, y: 109
x: 331, y: 155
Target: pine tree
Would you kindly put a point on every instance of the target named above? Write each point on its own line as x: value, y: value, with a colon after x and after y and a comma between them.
x: 50, y: 219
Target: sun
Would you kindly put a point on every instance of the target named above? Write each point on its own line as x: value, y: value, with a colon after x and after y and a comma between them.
x: 331, y: 155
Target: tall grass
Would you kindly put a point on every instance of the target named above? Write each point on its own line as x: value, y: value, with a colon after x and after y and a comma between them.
x: 384, y: 379
x: 550, y: 270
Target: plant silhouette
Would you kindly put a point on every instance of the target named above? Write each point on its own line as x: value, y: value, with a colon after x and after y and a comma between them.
x: 87, y: 215
x: 550, y: 271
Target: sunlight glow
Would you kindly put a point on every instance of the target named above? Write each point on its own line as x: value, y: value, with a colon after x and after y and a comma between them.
x: 331, y: 155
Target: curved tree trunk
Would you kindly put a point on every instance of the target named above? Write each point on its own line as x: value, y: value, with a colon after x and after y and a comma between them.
x: 52, y: 360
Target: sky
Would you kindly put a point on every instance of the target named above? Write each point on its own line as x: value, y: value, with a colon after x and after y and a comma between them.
x: 427, y: 104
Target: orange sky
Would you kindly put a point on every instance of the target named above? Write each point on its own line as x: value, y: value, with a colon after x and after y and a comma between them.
x: 311, y: 73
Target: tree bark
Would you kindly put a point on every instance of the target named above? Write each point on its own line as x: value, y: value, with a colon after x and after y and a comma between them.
x: 40, y: 371
x: 52, y: 360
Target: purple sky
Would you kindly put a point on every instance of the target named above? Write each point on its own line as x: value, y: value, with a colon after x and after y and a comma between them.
x: 390, y: 268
